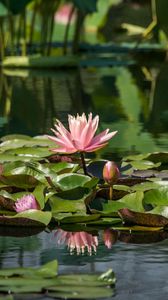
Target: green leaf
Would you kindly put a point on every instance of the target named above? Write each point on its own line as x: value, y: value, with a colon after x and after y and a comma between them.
x: 31, y: 217
x: 71, y: 181
x: 31, y: 152
x: 160, y: 210
x: 48, y: 270
x: 31, y: 168
x: 59, y: 205
x: 39, y: 280
x: 70, y: 218
x: 39, y: 194
x: 145, y: 186
x: 18, y: 141
x: 20, y: 181
x: 132, y: 201
x: 141, y: 164
x: 157, y: 197
x: 61, y: 167
x: 105, y: 221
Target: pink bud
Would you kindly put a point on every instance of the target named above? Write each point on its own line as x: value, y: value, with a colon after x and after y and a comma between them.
x: 111, y: 172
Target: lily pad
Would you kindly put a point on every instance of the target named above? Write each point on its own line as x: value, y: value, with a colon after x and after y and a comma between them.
x: 30, y: 217
x: 157, y: 197
x: 144, y: 219
x: 45, y: 279
x: 71, y: 181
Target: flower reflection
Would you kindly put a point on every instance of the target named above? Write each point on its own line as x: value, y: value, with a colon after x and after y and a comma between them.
x: 110, y: 237
x: 77, y: 242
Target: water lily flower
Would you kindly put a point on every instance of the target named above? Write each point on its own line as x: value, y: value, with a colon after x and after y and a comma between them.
x: 81, y: 135
x: 77, y: 241
x: 110, y: 172
x: 26, y: 202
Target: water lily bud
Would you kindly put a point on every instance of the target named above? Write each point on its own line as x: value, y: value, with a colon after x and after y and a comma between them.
x: 110, y: 172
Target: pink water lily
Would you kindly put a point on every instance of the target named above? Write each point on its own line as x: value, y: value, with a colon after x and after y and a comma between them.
x: 26, y: 202
x: 81, y: 135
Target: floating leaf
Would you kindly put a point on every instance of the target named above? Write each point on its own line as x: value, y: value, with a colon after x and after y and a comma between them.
x: 71, y: 181
x: 132, y: 201
x: 69, y: 218
x: 142, y: 164
x: 59, y: 205
x: 144, y: 219
x: 157, y: 197
x: 40, y: 280
x: 20, y: 181
x: 144, y: 186
x: 30, y: 217
x: 48, y: 270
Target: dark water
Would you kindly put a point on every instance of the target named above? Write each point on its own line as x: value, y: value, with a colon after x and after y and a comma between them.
x: 140, y: 269
x: 133, y: 101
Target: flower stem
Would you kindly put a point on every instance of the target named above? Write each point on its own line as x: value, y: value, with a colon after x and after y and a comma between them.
x: 83, y: 163
x: 111, y: 192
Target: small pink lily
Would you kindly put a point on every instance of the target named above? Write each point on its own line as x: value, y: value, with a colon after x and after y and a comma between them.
x: 26, y: 202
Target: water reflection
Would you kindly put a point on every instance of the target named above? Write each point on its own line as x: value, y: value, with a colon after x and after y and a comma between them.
x: 136, y: 260
x: 77, y: 242
x: 131, y: 100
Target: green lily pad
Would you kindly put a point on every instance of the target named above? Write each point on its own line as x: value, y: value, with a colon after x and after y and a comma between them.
x: 45, y: 279
x: 157, y: 197
x: 31, y: 217
x: 142, y: 164
x: 20, y: 181
x: 132, y: 201
x: 70, y: 218
x: 71, y: 181
x: 31, y: 152
x: 48, y: 270
x: 59, y: 205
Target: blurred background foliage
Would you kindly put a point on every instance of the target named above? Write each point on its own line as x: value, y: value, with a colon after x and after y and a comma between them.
x: 126, y: 87
x: 38, y: 26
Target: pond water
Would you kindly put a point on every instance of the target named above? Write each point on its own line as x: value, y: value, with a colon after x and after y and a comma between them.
x: 140, y: 269
x: 132, y: 100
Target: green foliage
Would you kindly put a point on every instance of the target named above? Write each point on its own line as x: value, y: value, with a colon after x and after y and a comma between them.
x: 45, y: 279
x: 66, y: 196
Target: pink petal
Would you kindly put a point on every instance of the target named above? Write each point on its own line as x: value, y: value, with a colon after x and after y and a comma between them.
x: 26, y: 202
x: 95, y: 147
x: 63, y: 150
x: 103, y: 137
